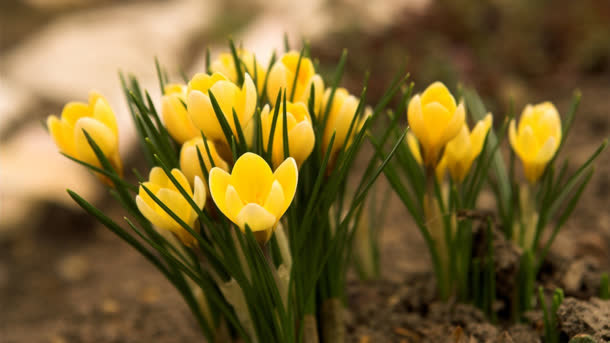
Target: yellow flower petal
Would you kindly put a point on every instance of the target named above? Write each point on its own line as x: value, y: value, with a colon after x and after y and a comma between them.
x: 414, y: 147
x: 62, y: 134
x: 436, y: 118
x: 546, y: 153
x: 218, y: 182
x: 176, y: 119
x: 302, y: 141
x: 104, y: 114
x: 73, y: 111
x: 182, y: 180
x: 178, y: 205
x: 202, y: 114
x: 438, y: 92
x: 479, y: 133
x: 252, y: 178
x: 256, y: 217
x: 233, y: 202
x: 100, y: 133
x: 199, y: 193
x: 287, y: 174
x: 415, y: 118
x: 275, y: 200
x: 455, y: 124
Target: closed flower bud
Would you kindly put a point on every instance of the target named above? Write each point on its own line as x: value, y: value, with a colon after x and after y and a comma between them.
x: 536, y: 139
x: 340, y: 117
x: 229, y: 97
x: 435, y: 119
x: 165, y: 190
x: 225, y: 64
x: 175, y: 115
x: 253, y: 195
x: 189, y: 159
x: 301, y: 138
x: 98, y: 120
x: 461, y: 151
x: 282, y: 77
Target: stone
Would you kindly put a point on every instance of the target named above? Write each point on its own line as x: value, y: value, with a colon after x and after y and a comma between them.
x: 585, y: 317
x: 33, y: 171
x: 73, y: 268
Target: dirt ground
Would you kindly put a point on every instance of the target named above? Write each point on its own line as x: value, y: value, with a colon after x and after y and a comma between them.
x: 64, y: 278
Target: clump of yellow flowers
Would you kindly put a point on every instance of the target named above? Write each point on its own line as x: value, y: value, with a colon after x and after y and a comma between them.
x: 265, y: 145
x: 446, y: 210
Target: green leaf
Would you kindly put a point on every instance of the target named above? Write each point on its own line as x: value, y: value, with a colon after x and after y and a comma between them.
x: 237, y: 62
x: 222, y: 119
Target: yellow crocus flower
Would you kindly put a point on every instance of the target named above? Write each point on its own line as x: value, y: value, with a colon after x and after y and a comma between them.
x: 164, y: 189
x: 225, y: 64
x: 229, y: 97
x: 340, y: 116
x: 301, y: 138
x: 98, y: 119
x: 282, y: 75
x: 435, y: 119
x: 189, y: 160
x: 175, y: 115
x: 536, y: 139
x: 254, y: 195
x: 461, y: 151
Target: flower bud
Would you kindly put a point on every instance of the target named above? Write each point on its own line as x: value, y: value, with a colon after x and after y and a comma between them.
x: 435, y: 119
x: 536, y: 139
x: 282, y: 77
x: 165, y: 190
x: 174, y: 114
x: 301, y: 138
x: 99, y: 121
x: 229, y: 97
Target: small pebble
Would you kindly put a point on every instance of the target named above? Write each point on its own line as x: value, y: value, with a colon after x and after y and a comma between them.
x: 73, y: 268
x: 110, y: 306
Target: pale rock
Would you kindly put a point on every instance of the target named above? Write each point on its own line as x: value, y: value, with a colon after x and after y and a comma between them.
x: 33, y: 170
x: 73, y: 268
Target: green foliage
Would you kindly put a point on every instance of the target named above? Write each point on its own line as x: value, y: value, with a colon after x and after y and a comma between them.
x: 604, y: 289
x: 551, y: 324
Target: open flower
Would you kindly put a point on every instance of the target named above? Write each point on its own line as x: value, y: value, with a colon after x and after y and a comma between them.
x: 189, y: 159
x: 282, y: 76
x: 537, y: 138
x: 229, y: 97
x: 165, y: 190
x: 253, y: 195
x: 174, y: 114
x: 461, y: 151
x: 435, y: 119
x: 98, y: 120
x: 340, y: 117
x: 225, y: 64
x: 301, y: 138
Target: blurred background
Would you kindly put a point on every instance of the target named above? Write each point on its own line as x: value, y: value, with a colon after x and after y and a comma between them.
x: 63, y: 278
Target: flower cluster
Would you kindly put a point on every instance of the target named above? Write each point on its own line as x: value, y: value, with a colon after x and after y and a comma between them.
x: 248, y: 212
x: 261, y: 143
